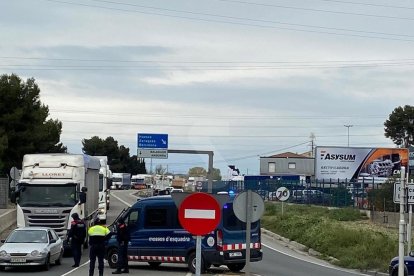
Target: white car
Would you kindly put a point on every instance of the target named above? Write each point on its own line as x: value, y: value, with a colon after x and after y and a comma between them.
x: 174, y: 190
x: 31, y: 246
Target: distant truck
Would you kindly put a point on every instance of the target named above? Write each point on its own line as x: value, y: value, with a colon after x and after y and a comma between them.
x: 121, y: 181
x: 141, y: 181
x: 54, y: 186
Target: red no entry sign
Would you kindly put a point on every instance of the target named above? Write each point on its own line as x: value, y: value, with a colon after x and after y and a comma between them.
x: 199, y: 214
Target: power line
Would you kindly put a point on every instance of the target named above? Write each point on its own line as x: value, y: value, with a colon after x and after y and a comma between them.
x: 320, y: 62
x: 42, y: 67
x: 198, y: 125
x: 315, y: 10
x: 246, y: 24
x: 370, y: 4
x: 261, y: 20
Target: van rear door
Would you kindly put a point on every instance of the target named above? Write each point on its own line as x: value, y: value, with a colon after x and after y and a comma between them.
x: 233, y: 235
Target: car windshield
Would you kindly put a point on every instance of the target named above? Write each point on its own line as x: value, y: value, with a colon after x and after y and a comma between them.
x: 28, y: 236
x: 48, y: 195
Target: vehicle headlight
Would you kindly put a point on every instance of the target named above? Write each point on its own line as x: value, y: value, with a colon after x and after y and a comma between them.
x: 3, y: 253
x: 36, y: 253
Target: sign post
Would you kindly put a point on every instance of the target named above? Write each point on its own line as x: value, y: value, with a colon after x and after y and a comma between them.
x: 199, y: 214
x: 248, y: 207
x: 282, y: 194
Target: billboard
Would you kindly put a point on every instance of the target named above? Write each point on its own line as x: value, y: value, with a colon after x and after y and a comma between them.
x: 354, y: 163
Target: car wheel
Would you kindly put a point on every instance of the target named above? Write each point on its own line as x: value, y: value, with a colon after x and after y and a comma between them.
x: 46, y: 266
x: 112, y: 257
x: 395, y: 272
x: 154, y: 264
x: 236, y: 267
x: 192, y: 263
x: 59, y: 260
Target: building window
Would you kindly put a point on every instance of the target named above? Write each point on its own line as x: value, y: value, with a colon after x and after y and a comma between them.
x: 272, y: 167
x: 292, y: 165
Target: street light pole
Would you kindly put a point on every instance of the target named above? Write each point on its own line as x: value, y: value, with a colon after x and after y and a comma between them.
x: 348, y: 126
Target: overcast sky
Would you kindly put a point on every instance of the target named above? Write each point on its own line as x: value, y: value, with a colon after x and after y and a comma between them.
x: 245, y: 78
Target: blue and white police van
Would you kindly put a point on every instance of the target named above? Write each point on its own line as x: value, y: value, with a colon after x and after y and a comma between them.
x: 157, y: 237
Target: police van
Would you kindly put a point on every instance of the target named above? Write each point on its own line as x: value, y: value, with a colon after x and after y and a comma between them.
x: 157, y: 237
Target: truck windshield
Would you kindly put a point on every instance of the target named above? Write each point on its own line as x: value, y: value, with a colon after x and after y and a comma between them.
x: 48, y: 195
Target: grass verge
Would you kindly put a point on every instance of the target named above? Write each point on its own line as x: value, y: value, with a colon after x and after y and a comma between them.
x: 344, y: 234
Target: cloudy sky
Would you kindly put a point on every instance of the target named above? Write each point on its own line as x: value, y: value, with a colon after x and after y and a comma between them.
x: 245, y: 78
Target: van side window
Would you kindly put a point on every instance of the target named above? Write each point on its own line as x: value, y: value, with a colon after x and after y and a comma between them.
x: 133, y: 217
x: 156, y: 218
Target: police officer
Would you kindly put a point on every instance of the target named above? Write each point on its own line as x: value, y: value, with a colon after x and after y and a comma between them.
x: 123, y: 237
x: 98, y: 234
x: 77, y: 234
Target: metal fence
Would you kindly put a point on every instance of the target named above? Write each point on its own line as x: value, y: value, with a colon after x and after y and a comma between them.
x: 339, y: 193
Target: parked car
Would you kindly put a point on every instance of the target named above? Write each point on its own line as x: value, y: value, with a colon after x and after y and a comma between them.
x: 296, y: 196
x: 31, y: 246
x: 409, y: 265
x: 312, y: 196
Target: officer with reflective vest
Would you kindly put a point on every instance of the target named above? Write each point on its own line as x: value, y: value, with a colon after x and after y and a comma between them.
x: 98, y: 235
x: 76, y: 235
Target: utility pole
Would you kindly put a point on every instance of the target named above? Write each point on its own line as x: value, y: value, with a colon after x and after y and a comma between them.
x: 402, y: 224
x: 348, y: 126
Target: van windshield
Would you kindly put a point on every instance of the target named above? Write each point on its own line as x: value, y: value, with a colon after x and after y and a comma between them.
x: 231, y: 222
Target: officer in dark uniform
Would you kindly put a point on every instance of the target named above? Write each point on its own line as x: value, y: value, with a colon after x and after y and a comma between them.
x: 76, y: 235
x: 98, y: 235
x: 123, y: 237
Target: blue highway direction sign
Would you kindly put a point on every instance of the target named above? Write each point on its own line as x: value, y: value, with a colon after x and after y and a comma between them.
x: 152, y: 141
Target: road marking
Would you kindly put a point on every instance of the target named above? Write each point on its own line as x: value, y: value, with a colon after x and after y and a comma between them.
x: 123, y: 201
x: 73, y: 270
x: 199, y: 214
x: 315, y: 263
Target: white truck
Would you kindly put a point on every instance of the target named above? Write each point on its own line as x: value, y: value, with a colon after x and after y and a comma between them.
x: 54, y: 186
x: 104, y: 176
x: 121, y: 181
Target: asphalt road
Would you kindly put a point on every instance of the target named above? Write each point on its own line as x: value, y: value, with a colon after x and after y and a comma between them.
x: 278, y: 259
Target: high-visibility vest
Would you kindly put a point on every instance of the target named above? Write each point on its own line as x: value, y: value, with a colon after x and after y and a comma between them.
x: 98, y: 230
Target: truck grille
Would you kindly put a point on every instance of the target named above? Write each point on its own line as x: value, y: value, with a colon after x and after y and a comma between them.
x: 57, y: 221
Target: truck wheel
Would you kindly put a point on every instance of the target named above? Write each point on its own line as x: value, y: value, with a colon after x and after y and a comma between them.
x: 192, y: 263
x: 112, y: 257
x: 236, y: 267
x: 154, y: 264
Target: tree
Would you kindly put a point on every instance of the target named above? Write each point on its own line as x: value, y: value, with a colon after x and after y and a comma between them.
x: 400, y: 126
x: 119, y: 158
x: 200, y: 171
x: 197, y: 171
x: 24, y: 124
x: 159, y: 169
x: 216, y: 174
